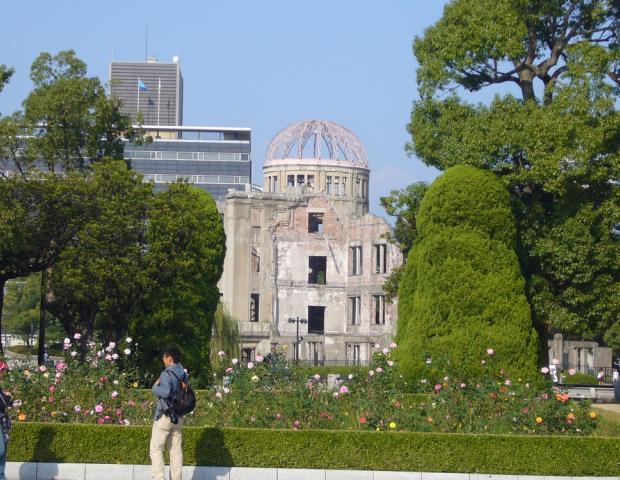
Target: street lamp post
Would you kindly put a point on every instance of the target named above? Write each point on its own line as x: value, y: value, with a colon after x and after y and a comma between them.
x: 298, y: 339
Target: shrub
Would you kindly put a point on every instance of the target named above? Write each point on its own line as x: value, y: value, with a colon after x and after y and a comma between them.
x: 462, y: 290
x: 431, y: 452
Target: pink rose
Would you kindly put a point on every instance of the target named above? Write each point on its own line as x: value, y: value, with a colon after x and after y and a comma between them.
x: 344, y: 389
x: 98, y: 408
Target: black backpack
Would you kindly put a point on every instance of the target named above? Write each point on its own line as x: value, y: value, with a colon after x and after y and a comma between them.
x: 183, y: 400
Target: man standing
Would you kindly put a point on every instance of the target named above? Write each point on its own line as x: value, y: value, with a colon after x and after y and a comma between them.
x: 167, y: 425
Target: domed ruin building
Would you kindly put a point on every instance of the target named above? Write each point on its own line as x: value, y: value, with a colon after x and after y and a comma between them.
x: 305, y: 253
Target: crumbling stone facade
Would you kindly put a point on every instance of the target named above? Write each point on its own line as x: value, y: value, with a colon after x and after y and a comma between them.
x: 307, y: 257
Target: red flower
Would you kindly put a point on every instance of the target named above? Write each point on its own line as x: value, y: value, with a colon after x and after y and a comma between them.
x: 362, y: 420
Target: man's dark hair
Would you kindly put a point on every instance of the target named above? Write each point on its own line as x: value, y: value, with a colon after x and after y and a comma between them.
x: 173, y: 351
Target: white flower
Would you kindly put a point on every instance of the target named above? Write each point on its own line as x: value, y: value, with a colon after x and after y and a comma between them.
x: 226, y: 390
x: 127, y: 351
x: 390, y: 363
x: 77, y: 336
x: 379, y: 370
x: 490, y: 351
x: 350, y: 376
x: 250, y: 365
x: 129, y: 339
x: 386, y: 351
x: 66, y: 341
x: 112, y: 345
x: 73, y: 353
x: 393, y: 345
x: 335, y: 394
x: 544, y: 370
x: 115, y: 382
x: 235, y: 361
x: 218, y: 394
x: 317, y: 377
x: 115, y: 356
x: 371, y: 373
x: 254, y: 379
x: 429, y: 360
x: 114, y: 394
x: 221, y: 353
x: 126, y: 422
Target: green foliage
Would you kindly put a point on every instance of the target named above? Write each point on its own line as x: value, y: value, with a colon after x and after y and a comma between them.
x: 467, y: 197
x: 612, y: 337
x: 70, y: 116
x: 186, y: 249
x: 579, y: 379
x: 98, y: 281
x: 5, y: 75
x: 555, y: 148
x: 462, y: 290
x: 271, y: 393
x: 225, y: 338
x: 404, y: 205
x: 21, y: 307
x: 404, y: 451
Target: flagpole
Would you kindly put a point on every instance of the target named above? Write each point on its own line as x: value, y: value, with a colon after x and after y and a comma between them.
x: 158, y: 99
x: 138, y: 106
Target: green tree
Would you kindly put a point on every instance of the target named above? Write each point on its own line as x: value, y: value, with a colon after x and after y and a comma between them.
x: 5, y: 75
x: 22, y: 302
x: 462, y: 290
x: 225, y: 338
x: 40, y: 215
x: 99, y: 280
x: 554, y: 145
x: 403, y: 205
x: 186, y: 249
x: 69, y: 117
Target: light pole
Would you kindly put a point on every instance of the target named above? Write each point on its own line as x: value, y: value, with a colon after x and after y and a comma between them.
x: 298, y: 339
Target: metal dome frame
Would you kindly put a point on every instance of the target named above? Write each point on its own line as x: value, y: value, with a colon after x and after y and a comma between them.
x: 340, y: 143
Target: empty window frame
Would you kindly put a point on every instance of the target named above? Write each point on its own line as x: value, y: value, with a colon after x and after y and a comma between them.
x: 354, y: 310
x: 378, y: 308
x: 315, y: 222
x: 354, y: 353
x: 301, y: 180
x: 379, y: 251
x: 290, y: 180
x: 247, y: 355
x: 316, y: 320
x: 355, y: 260
x: 317, y: 270
x: 254, y: 307
x: 315, y: 353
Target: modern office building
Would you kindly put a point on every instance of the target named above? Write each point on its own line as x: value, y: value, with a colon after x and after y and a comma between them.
x: 215, y: 159
x: 305, y: 260
x: 151, y: 88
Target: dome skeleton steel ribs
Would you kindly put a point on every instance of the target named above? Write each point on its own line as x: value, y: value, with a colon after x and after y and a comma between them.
x: 321, y: 135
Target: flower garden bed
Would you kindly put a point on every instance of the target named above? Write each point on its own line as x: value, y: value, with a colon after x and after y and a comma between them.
x: 101, y: 386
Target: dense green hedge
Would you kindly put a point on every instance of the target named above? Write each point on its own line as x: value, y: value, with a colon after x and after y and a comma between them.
x: 325, y: 449
x: 462, y: 290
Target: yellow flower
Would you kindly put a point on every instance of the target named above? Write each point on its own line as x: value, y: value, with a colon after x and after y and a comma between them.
x: 21, y: 417
x: 539, y: 420
x: 284, y: 347
x: 392, y: 425
x: 54, y: 414
x: 593, y: 415
x: 135, y: 385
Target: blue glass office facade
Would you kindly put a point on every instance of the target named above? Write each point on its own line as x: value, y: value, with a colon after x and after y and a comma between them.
x: 212, y: 158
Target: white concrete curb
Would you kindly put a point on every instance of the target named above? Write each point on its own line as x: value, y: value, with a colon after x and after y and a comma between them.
x: 92, y: 471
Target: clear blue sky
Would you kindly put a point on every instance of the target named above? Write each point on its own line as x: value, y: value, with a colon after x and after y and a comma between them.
x: 260, y: 64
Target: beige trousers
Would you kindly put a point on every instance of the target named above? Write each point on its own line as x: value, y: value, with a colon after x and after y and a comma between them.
x: 166, y: 434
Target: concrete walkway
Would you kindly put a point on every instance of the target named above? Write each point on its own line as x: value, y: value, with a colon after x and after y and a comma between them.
x: 89, y: 471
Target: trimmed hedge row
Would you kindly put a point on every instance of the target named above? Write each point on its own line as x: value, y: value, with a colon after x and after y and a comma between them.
x: 407, y: 451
